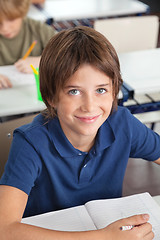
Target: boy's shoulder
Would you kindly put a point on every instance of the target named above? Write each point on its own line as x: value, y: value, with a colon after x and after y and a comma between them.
x: 39, y: 30
x: 36, y: 24
x: 121, y: 118
x: 38, y: 124
x: 38, y: 131
x: 120, y: 112
x: 31, y: 21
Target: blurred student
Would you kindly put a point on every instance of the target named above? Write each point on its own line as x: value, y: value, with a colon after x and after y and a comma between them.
x: 78, y: 149
x: 17, y: 33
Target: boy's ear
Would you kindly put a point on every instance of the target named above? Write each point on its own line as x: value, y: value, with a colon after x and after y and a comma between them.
x: 51, y: 103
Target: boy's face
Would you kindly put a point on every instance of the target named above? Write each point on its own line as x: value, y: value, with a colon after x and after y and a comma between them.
x: 84, y: 103
x: 10, y: 28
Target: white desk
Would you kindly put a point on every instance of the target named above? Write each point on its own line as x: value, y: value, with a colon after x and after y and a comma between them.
x: 141, y: 70
x: 19, y: 100
x: 157, y: 199
x: 61, y: 10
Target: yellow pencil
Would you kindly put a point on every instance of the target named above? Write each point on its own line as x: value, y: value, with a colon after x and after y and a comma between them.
x: 29, y: 50
x: 34, y: 70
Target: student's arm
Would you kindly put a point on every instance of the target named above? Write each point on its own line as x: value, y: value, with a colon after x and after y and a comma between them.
x: 142, y: 229
x: 4, y: 82
x: 13, y: 202
x: 157, y: 161
x: 24, y: 65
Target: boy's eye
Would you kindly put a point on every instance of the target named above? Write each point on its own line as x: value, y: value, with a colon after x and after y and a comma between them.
x: 101, y: 90
x: 74, y: 92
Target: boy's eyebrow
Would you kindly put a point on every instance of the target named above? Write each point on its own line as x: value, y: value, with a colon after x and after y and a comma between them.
x: 76, y: 86
x: 102, y: 85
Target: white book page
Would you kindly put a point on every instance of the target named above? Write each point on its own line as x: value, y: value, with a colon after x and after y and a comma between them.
x: 103, y: 212
x: 17, y: 78
x: 70, y: 219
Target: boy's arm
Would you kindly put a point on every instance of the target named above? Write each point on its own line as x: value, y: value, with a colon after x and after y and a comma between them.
x: 157, y: 161
x: 12, y: 205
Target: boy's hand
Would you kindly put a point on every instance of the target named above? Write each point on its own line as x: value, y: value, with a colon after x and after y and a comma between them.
x: 142, y: 229
x: 24, y: 65
x: 5, y: 82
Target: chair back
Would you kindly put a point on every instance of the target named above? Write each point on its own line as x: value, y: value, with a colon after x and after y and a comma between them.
x: 6, y: 136
x: 130, y: 33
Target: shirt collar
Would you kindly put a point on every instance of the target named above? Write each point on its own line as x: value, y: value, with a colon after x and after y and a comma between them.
x: 61, y: 143
x: 105, y: 136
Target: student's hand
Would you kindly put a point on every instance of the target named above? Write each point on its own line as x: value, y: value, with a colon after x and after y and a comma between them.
x: 5, y: 82
x: 142, y: 229
x: 24, y: 65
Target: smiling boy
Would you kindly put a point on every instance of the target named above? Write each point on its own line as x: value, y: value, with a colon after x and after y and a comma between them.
x: 84, y: 104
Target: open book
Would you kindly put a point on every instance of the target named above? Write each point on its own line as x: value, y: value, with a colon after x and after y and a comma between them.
x: 99, y: 213
x: 17, y: 78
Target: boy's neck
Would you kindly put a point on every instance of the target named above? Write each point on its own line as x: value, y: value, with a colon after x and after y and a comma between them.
x: 83, y: 144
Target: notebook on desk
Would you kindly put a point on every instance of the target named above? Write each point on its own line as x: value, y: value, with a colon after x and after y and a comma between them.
x: 17, y: 78
x: 99, y: 213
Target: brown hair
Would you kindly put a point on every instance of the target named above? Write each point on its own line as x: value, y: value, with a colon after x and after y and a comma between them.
x: 66, y: 52
x: 12, y: 9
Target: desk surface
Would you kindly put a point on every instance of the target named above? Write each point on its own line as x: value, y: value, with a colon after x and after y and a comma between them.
x: 141, y: 70
x: 19, y: 100
x: 61, y: 10
x: 157, y: 199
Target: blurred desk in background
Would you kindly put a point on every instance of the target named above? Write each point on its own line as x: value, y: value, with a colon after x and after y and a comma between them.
x: 69, y: 13
x: 22, y: 97
x: 141, y: 71
x: 19, y: 100
x: 79, y: 9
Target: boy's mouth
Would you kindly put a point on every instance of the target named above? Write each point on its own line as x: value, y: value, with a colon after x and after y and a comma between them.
x: 7, y: 35
x: 88, y: 119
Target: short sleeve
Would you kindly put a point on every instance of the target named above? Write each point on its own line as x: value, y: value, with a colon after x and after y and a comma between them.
x: 145, y: 142
x: 23, y: 165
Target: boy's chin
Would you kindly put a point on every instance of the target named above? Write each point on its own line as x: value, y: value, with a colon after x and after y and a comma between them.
x: 10, y: 35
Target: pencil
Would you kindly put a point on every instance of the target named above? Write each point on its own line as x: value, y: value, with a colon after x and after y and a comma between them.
x: 29, y: 50
x: 34, y: 70
x: 129, y: 227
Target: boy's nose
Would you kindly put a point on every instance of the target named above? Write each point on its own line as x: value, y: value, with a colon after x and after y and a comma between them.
x: 5, y: 26
x: 88, y: 104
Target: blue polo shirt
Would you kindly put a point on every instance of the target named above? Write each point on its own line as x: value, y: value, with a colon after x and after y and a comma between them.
x: 55, y: 175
